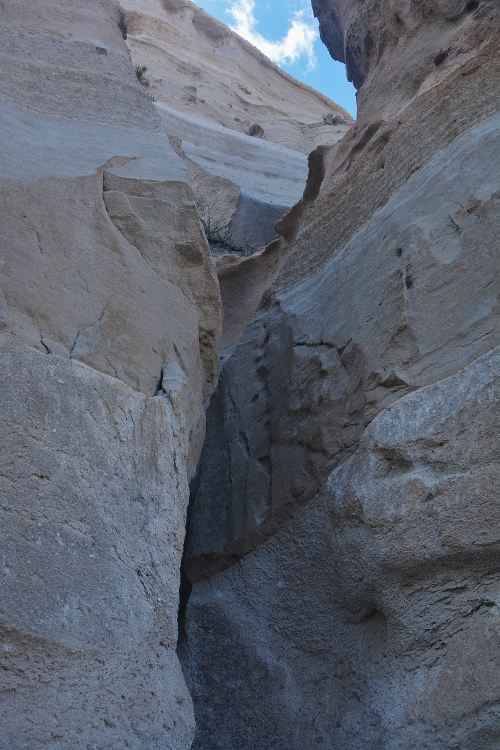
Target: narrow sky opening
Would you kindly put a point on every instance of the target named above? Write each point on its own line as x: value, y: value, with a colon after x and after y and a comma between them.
x: 287, y: 33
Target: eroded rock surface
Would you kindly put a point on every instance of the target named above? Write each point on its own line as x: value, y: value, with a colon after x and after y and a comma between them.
x: 345, y: 551
x: 110, y: 319
x: 370, y: 620
x: 214, y: 91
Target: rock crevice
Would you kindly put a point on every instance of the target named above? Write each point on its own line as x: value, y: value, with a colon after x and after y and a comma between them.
x: 353, y: 611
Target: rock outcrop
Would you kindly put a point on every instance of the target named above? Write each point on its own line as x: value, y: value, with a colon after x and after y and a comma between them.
x: 213, y: 92
x: 110, y: 317
x: 344, y: 538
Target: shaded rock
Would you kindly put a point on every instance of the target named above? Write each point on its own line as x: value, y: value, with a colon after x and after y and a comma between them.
x: 308, y: 376
x: 344, y: 552
x: 390, y: 48
x: 371, y: 618
x: 257, y: 131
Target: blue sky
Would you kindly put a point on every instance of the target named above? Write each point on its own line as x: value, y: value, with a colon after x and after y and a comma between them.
x: 287, y: 32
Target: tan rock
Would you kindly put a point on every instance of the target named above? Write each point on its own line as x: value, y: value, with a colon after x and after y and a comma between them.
x: 213, y: 90
x: 201, y: 68
x: 395, y: 51
x: 122, y: 259
x: 110, y: 317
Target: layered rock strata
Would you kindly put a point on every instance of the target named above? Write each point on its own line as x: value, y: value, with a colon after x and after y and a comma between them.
x: 110, y: 317
x: 344, y: 553
x: 214, y: 91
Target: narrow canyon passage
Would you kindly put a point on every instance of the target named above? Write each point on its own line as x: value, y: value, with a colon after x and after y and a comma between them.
x: 214, y: 281
x: 342, y: 556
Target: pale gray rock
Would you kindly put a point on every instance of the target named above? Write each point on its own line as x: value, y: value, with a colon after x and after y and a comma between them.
x: 269, y: 178
x: 345, y: 551
x: 308, y: 376
x: 110, y: 316
x: 371, y: 619
x: 94, y: 493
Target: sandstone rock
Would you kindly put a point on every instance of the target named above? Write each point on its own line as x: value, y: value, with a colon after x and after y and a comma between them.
x: 213, y: 90
x: 345, y: 550
x: 268, y: 177
x: 94, y: 491
x: 244, y: 281
x: 371, y: 619
x: 120, y: 260
x: 309, y: 375
x: 199, y: 67
x: 390, y: 48
x: 110, y: 318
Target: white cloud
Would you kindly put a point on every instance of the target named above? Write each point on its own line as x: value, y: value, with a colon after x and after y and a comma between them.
x: 297, y: 43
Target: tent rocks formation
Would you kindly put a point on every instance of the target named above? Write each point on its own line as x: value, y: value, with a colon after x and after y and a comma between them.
x: 213, y: 89
x: 344, y: 537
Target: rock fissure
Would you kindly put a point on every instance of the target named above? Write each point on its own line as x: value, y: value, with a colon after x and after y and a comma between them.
x: 296, y: 360
x: 375, y: 487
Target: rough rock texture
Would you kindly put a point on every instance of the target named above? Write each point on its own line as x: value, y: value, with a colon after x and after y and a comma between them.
x: 94, y: 491
x: 309, y: 375
x: 213, y: 91
x: 397, y: 50
x: 110, y: 318
x: 199, y: 67
x: 371, y: 619
x: 345, y: 551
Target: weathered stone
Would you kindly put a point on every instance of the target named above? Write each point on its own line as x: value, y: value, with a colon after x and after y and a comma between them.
x: 309, y: 375
x: 110, y: 317
x: 182, y: 46
x: 213, y: 90
x: 371, y: 619
x: 344, y: 551
x: 256, y: 130
x: 94, y: 493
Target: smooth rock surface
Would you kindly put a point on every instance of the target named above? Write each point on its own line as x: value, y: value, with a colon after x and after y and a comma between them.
x: 199, y: 67
x: 214, y: 91
x: 110, y: 316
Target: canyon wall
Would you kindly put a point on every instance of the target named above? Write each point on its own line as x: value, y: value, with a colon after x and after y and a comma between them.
x: 110, y: 317
x: 342, y: 563
x: 213, y: 89
x: 344, y: 539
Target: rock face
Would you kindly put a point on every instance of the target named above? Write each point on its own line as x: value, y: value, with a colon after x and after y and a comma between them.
x: 371, y: 618
x: 110, y: 319
x: 344, y: 538
x: 214, y: 91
